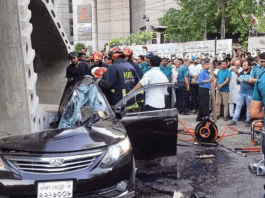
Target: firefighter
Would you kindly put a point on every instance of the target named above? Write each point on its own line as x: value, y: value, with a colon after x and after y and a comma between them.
x: 119, y: 79
x: 128, y: 57
x: 97, y: 56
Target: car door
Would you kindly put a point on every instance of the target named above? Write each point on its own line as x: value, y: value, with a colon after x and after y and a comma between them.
x: 152, y: 133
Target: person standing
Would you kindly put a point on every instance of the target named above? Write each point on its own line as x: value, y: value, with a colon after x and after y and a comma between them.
x: 205, y: 81
x: 222, y: 93
x: 184, y: 87
x: 77, y: 68
x: 128, y: 57
x: 82, y: 56
x: 98, y: 61
x: 175, y: 73
x: 258, y: 69
x: 119, y: 79
x: 166, y: 69
x: 194, y: 70
x: 155, y: 97
x: 245, y: 94
x: 234, y: 87
x: 256, y: 110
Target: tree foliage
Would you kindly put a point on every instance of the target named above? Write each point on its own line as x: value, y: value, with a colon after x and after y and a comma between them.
x: 199, y: 16
x: 79, y: 47
x: 139, y: 38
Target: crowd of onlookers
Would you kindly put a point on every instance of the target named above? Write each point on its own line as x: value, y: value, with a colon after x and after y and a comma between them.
x: 232, y: 80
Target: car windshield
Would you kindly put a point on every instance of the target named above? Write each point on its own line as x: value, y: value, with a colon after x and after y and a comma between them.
x: 85, y: 101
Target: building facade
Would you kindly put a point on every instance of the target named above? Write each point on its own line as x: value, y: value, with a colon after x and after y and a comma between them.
x: 95, y: 22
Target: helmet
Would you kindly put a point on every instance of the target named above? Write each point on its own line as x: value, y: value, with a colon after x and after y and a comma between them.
x: 117, y: 52
x: 98, y: 55
x: 92, y: 57
x: 94, y: 70
x: 127, y: 51
x: 100, y: 72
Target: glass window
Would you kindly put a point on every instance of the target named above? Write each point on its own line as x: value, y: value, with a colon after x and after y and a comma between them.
x: 70, y: 6
x: 84, y: 102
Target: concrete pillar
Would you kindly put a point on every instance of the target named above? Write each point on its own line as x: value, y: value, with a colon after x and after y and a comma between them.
x: 14, y: 107
x: 94, y: 25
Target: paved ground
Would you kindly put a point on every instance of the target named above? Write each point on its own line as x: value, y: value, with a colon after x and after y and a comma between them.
x: 227, y: 175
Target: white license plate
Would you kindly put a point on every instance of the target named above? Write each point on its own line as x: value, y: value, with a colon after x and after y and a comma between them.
x: 60, y: 189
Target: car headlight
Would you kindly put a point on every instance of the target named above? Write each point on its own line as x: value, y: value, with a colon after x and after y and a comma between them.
x: 115, y: 152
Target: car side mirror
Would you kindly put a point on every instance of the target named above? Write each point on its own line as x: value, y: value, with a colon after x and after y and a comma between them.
x: 119, y: 112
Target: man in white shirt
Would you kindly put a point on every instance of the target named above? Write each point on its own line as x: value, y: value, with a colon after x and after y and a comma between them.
x: 194, y: 70
x: 154, y: 97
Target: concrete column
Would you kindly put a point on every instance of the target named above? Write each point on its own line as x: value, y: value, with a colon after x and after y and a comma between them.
x: 94, y: 25
x: 14, y: 107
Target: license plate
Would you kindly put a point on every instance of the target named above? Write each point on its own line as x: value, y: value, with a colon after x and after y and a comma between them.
x: 60, y: 189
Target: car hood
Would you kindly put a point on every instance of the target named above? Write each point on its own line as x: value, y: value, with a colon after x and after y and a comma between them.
x: 101, y: 134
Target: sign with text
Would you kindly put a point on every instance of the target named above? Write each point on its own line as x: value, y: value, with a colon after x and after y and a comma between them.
x: 84, y: 14
x: 196, y: 48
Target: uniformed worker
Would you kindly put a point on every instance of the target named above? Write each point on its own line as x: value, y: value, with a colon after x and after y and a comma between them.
x: 128, y: 57
x: 258, y: 69
x: 77, y: 68
x: 97, y: 61
x: 258, y: 99
x: 119, y: 79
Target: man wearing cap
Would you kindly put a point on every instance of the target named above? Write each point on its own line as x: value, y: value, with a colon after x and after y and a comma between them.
x: 82, y: 56
x: 146, y: 66
x: 119, y: 79
x: 128, y: 57
x: 77, y: 68
x: 98, y: 61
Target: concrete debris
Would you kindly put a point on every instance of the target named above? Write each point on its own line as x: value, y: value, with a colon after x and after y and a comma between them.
x: 205, y: 156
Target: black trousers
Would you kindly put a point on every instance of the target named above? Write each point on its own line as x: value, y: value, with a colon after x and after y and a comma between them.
x: 149, y: 108
x: 194, y: 88
x: 204, y: 99
x: 183, y: 98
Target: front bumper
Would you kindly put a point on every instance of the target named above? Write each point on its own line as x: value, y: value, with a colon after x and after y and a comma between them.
x: 94, y: 181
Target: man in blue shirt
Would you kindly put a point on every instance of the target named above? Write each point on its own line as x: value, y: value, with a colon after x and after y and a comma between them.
x: 245, y: 94
x: 258, y: 69
x: 258, y: 100
x: 166, y: 69
x: 204, y: 95
x: 222, y: 93
x: 184, y: 87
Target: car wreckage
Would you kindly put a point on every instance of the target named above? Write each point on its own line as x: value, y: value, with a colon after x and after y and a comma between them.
x: 92, y: 150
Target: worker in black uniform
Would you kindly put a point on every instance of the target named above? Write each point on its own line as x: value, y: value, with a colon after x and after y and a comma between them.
x: 97, y: 61
x: 77, y: 68
x: 119, y: 79
x: 128, y: 57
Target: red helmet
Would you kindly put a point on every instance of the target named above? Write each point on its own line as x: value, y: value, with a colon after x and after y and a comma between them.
x: 98, y: 55
x: 127, y: 51
x: 92, y: 56
x: 117, y: 52
x: 100, y: 72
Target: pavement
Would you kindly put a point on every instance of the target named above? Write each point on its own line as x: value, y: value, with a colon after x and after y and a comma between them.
x: 224, y: 176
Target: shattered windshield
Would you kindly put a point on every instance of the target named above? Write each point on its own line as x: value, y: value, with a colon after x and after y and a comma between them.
x: 84, y: 102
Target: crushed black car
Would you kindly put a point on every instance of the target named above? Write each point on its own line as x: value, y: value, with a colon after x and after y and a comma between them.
x: 91, y: 152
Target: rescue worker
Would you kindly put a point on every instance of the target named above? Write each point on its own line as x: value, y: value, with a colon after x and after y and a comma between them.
x: 97, y: 61
x: 128, y: 57
x: 77, y: 68
x: 119, y: 79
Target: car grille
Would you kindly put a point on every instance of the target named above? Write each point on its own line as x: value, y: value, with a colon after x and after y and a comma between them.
x: 53, y: 165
